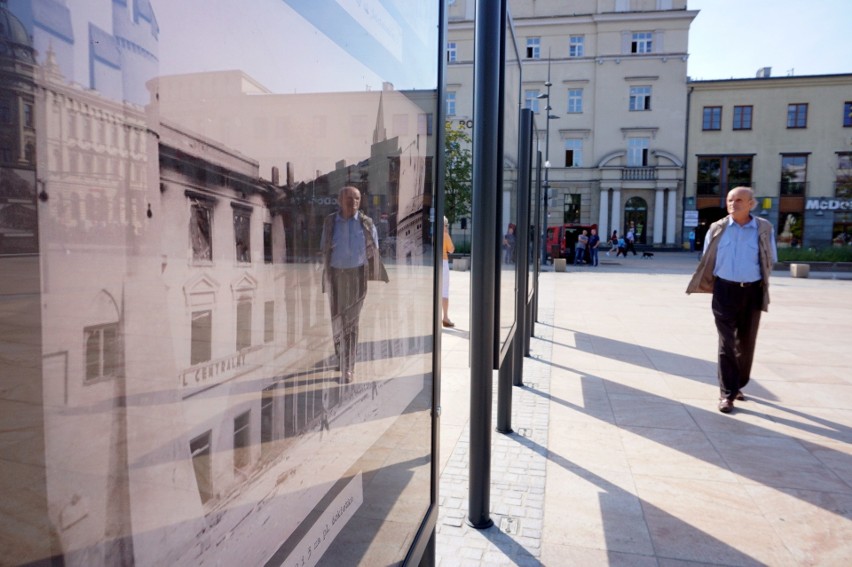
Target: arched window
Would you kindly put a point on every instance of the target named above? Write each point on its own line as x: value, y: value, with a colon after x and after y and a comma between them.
x: 636, y: 217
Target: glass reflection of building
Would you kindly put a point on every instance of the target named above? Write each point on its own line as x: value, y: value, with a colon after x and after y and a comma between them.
x: 174, y: 365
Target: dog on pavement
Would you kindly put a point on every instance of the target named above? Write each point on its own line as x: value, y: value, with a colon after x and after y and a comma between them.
x: 647, y: 255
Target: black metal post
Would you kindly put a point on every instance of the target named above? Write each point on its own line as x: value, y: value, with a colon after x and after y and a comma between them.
x: 485, y: 174
x: 523, y: 259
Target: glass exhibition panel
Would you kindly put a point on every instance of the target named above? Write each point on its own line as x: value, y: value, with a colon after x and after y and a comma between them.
x: 207, y: 356
x: 511, y: 241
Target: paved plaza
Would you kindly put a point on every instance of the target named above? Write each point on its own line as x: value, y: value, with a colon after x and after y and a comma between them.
x: 619, y: 455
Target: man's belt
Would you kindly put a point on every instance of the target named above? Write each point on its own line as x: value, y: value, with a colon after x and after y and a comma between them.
x: 739, y: 284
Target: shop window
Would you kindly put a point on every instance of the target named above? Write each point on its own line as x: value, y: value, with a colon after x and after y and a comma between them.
x: 742, y: 117
x: 243, y: 324
x: 794, y: 169
x: 843, y: 179
x: 268, y: 321
x: 202, y: 464
x: 201, y: 337
x: 242, y: 440
x: 242, y: 233
x: 102, y: 351
x: 797, y: 115
x: 712, y: 119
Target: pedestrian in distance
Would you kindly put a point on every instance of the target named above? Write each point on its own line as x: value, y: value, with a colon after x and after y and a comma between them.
x: 613, y: 243
x: 594, y: 243
x: 449, y: 248
x: 580, y: 247
x: 739, y: 251
x: 631, y: 241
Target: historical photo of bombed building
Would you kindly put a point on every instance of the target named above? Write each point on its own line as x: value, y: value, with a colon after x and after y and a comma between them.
x: 174, y: 371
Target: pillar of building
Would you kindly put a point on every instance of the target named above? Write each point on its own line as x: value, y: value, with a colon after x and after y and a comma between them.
x: 671, y: 217
x: 616, y: 211
x: 603, y: 216
x: 659, y: 213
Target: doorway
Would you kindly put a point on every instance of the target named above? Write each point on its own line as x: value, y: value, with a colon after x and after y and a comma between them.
x: 636, y: 217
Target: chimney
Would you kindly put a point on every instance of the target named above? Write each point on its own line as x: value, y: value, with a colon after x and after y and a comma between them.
x: 275, y: 175
x: 764, y: 72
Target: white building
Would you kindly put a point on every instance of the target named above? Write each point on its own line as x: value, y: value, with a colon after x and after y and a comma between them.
x: 616, y: 106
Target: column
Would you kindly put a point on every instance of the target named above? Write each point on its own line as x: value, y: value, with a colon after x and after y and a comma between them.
x: 616, y: 212
x: 671, y: 217
x: 659, y: 211
x: 603, y: 217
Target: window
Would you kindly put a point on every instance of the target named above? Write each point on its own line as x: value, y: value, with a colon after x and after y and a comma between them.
x: 575, y: 101
x: 640, y: 98
x: 718, y: 174
x: 101, y: 351
x: 200, y: 234
x: 571, y: 208
x: 451, y: 51
x: 451, y: 103
x: 243, y: 324
x: 642, y: 42
x: 576, y: 46
x: 268, y: 321
x: 202, y: 464
x: 794, y: 169
x: 712, y: 118
x: 201, y: 337
x: 28, y: 115
x: 797, y: 115
x: 742, y: 117
x: 637, y: 151
x: 533, y: 48
x: 267, y: 412
x: 843, y: 179
x: 847, y: 114
x: 531, y: 100
x: 242, y: 233
x: 573, y: 153
x: 267, y: 243
x: 709, y: 177
x: 242, y: 440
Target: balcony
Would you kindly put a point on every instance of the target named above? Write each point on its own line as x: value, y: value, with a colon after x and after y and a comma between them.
x: 639, y: 174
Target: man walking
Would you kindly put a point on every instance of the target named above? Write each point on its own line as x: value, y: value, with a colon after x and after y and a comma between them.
x: 350, y: 247
x: 739, y: 251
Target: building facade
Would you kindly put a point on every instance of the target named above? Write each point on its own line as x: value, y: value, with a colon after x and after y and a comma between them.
x: 607, y: 83
x: 789, y: 138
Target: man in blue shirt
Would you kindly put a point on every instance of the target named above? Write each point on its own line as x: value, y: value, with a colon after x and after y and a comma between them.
x: 350, y: 246
x: 739, y: 251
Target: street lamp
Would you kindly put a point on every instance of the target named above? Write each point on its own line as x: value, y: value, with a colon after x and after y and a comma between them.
x: 549, y: 117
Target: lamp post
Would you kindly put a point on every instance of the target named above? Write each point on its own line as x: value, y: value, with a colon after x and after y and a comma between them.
x: 549, y: 117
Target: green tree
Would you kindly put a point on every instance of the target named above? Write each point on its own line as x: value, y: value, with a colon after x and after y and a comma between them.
x: 457, y: 176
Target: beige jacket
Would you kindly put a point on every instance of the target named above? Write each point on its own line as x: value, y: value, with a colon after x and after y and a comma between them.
x: 703, y: 278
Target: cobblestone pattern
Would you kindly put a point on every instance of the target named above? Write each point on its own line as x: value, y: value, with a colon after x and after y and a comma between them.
x: 518, y: 474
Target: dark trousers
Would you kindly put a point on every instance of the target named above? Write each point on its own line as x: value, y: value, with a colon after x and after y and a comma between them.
x: 737, y: 313
x: 346, y: 298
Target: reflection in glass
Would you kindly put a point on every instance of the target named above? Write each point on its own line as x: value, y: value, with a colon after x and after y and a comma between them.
x: 174, y: 381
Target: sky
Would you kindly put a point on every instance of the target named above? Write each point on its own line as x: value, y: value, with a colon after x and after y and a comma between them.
x: 735, y: 38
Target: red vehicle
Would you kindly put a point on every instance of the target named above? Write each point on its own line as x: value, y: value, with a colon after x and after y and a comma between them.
x: 562, y: 238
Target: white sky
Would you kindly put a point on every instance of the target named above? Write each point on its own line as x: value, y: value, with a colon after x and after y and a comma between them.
x: 735, y: 38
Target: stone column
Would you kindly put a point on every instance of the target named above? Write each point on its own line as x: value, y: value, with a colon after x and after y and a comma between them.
x: 671, y: 217
x: 659, y: 211
x: 603, y: 217
x: 616, y: 212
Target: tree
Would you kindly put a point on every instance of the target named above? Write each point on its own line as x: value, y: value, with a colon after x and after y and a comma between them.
x: 457, y: 177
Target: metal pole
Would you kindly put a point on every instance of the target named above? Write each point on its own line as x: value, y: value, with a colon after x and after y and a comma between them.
x: 523, y: 259
x: 485, y: 175
x: 547, y: 110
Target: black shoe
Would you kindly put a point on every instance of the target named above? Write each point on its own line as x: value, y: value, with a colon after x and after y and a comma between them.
x: 726, y: 405
x: 740, y: 397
